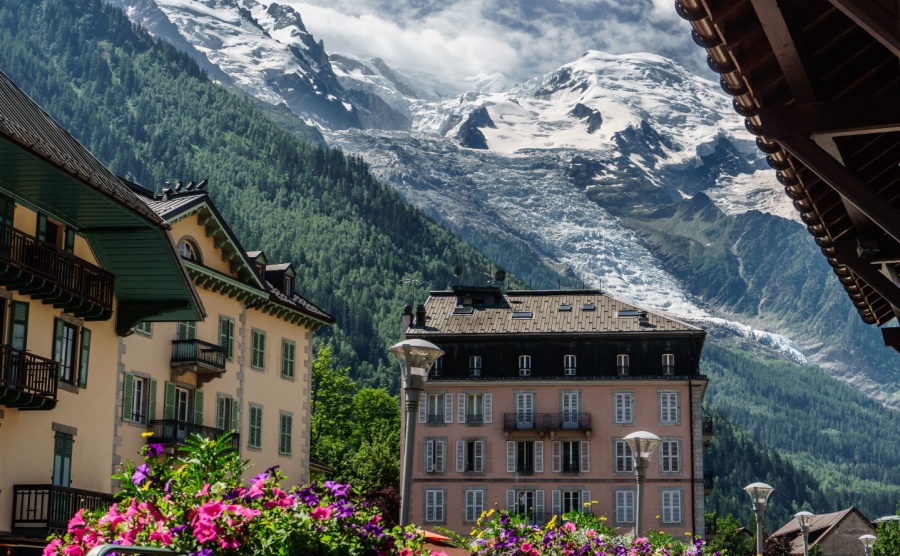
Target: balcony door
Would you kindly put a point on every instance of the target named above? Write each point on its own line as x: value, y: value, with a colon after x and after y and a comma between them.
x: 569, y: 406
x: 524, y: 410
x: 18, y: 335
x: 182, y: 412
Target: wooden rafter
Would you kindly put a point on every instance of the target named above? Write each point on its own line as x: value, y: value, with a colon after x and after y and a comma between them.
x: 835, y: 117
x: 874, y: 20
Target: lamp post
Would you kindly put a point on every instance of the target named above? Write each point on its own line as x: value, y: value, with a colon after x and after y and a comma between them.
x: 759, y: 494
x: 805, y: 520
x: 642, y: 444
x: 868, y: 542
x: 416, y: 358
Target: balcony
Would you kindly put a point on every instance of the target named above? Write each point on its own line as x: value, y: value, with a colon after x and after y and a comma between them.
x: 203, y: 358
x: 26, y: 380
x: 435, y: 419
x: 174, y: 432
x: 546, y: 421
x: 43, y: 271
x: 708, y: 483
x: 39, y: 509
x: 475, y: 418
x: 706, y: 427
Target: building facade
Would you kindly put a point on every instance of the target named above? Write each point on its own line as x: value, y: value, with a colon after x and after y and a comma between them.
x: 528, y: 407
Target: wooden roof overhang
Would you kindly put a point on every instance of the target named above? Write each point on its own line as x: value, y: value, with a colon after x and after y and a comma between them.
x: 818, y: 83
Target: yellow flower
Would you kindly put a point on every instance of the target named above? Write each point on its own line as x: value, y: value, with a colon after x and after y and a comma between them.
x: 602, y: 518
x: 147, y: 434
x: 687, y: 533
x: 657, y: 517
x: 146, y: 486
x: 587, y: 504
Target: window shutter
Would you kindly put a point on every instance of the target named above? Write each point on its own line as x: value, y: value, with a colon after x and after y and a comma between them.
x: 221, y: 404
x: 539, y: 456
x: 18, y: 332
x: 510, y: 456
x: 675, y: 459
x: 448, y: 408
x: 234, y: 415
x: 41, y: 227
x: 511, y: 501
x: 676, y: 506
x: 128, y: 397
x: 58, y: 326
x: 460, y: 455
x: 439, y: 452
x: 7, y: 210
x: 488, y: 408
x: 429, y: 456
x: 479, y: 456
x: 84, y: 357
x: 70, y: 240
x: 620, y: 507
x: 198, y: 406
x: 151, y: 401
x: 430, y: 504
x: 423, y: 408
x: 556, y: 449
x: 539, y: 506
x: 169, y: 401
x: 629, y: 408
x: 585, y: 456
x: 586, y: 503
x: 556, y: 502
x: 461, y: 408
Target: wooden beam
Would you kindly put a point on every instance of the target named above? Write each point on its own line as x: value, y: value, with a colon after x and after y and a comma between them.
x: 792, y: 62
x: 835, y: 117
x: 885, y: 253
x: 853, y: 189
x: 883, y: 26
x: 876, y: 280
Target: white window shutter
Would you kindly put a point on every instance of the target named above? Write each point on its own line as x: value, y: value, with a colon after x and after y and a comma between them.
x: 557, y: 457
x: 439, y: 452
x: 430, y: 504
x: 620, y: 408
x: 539, y: 506
x: 460, y: 456
x: 676, y: 506
x: 586, y: 504
x: 448, y: 408
x: 439, y: 506
x: 664, y: 407
x: 429, y: 456
x: 510, y: 501
x: 488, y: 408
x: 423, y: 408
x: 585, y: 456
x: 539, y: 456
x: 510, y: 457
x: 676, y: 458
x: 479, y: 456
x: 629, y: 408
x: 556, y: 502
x: 461, y: 408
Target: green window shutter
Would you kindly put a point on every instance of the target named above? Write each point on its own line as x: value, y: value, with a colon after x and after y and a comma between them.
x: 226, y: 335
x: 287, y: 358
x: 70, y: 240
x: 234, y: 415
x: 187, y: 331
x: 62, y: 459
x: 18, y: 330
x: 85, y: 356
x: 41, y: 232
x: 255, y: 429
x: 198, y: 406
x: 151, y: 401
x: 169, y: 401
x: 7, y: 210
x: 58, y: 326
x: 286, y: 425
x: 221, y: 405
x: 128, y: 397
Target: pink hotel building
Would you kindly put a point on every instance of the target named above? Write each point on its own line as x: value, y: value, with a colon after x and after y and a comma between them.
x: 527, y: 408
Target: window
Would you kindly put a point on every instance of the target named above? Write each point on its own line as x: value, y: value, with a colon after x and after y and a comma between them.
x: 524, y: 503
x: 624, y: 462
x: 436, y: 411
x: 284, y: 434
x: 7, y: 212
x: 569, y: 407
x: 668, y: 363
x: 434, y: 506
x: 668, y: 407
x: 145, y: 328
x: 671, y: 506
x: 260, y: 270
x: 475, y: 365
x: 435, y: 455
x: 288, y: 349
x: 288, y: 286
x: 226, y: 336
x: 669, y: 456
x: 524, y: 410
x: 62, y: 459
x: 138, y: 399
x: 569, y: 365
x: 258, y: 349
x: 522, y: 314
x: 525, y: 456
x: 571, y: 457
x: 186, y: 331
x: 472, y: 408
x: 564, y: 307
x: 474, y: 505
x: 226, y: 413
x: 571, y: 501
x: 624, y: 408
x: 624, y: 506
x: 64, y: 350
x: 254, y: 438
x: 470, y: 456
x: 524, y: 365
x: 69, y: 240
x: 529, y: 503
x: 438, y: 367
x: 622, y: 363
x: 188, y: 250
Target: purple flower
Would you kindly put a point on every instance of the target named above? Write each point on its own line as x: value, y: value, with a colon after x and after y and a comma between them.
x: 141, y: 474
x: 202, y: 552
x: 154, y: 450
x: 260, y: 477
x: 336, y: 489
x: 178, y: 529
x: 308, y: 496
x: 272, y: 470
x: 168, y: 488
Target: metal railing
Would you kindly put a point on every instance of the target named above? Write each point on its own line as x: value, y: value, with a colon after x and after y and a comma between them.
x: 173, y: 431
x: 475, y: 418
x: 571, y: 467
x: 27, y: 373
x: 51, y: 506
x: 546, y: 421
x: 435, y: 419
x: 64, y: 270
x: 198, y: 352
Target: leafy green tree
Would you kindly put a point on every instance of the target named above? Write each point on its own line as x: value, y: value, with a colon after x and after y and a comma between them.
x: 888, y: 543
x: 729, y: 536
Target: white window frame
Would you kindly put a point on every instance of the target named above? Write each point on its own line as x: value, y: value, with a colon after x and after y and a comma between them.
x: 437, y: 367
x: 474, y: 365
x: 473, y: 501
x: 139, y: 397
x: 470, y: 449
x: 670, y: 507
x: 144, y: 327
x: 668, y: 363
x: 435, y: 455
x: 575, y: 495
x: 625, y: 402
x: 570, y: 364
x: 624, y: 506
x: 524, y: 365
x: 623, y: 459
x: 668, y: 408
x: 623, y: 363
x: 434, y: 505
x: 670, y: 456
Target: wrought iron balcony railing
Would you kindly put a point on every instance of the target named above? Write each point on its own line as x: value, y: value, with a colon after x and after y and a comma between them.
x: 198, y: 352
x: 546, y: 421
x: 432, y: 419
x: 39, y: 508
x: 44, y: 271
x: 568, y: 467
x: 27, y: 381
x: 475, y: 418
x: 173, y: 431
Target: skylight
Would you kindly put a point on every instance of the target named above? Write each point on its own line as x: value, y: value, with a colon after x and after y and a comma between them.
x: 522, y: 314
x: 628, y: 312
x: 565, y: 307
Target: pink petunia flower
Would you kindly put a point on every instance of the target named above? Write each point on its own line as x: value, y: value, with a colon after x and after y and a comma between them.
x: 569, y: 526
x: 50, y: 549
x: 321, y: 512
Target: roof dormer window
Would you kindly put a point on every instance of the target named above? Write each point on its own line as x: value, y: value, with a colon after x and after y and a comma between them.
x: 261, y: 270
x: 622, y: 364
x: 189, y: 250
x: 289, y: 286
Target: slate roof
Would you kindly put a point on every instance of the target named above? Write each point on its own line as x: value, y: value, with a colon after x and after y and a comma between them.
x: 547, y: 317
x: 24, y: 123
x: 300, y: 303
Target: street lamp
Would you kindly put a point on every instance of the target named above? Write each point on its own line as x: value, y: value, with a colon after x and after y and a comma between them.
x: 805, y: 520
x: 416, y: 358
x: 868, y: 542
x: 759, y: 494
x: 642, y: 444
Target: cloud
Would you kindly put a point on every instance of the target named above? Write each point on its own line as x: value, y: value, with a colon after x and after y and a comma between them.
x: 519, y: 38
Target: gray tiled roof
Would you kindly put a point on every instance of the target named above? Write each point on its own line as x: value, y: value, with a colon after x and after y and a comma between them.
x: 546, y: 319
x: 173, y: 204
x: 299, y: 303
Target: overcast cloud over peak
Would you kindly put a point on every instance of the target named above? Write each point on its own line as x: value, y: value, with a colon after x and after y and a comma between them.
x: 519, y: 38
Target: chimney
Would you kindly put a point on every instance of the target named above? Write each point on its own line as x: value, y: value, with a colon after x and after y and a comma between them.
x: 405, y: 321
x: 420, y: 316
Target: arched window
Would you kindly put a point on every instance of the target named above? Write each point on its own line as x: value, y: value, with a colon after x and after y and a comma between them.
x: 668, y: 363
x: 524, y: 365
x: 622, y: 363
x: 569, y: 365
x: 188, y: 250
